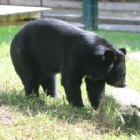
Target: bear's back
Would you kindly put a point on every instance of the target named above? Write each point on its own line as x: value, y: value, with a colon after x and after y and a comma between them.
x: 53, y: 25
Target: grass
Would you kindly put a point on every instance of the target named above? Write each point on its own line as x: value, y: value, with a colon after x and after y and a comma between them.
x: 128, y: 40
x: 54, y: 119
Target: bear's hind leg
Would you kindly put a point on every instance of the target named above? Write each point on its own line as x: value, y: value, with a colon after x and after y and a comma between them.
x: 30, y: 83
x: 31, y: 86
x: 49, y: 86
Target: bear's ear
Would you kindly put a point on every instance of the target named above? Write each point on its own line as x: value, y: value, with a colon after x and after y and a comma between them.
x: 109, y: 57
x: 123, y: 50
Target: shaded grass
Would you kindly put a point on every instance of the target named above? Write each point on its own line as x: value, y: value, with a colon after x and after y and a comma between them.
x: 48, y: 118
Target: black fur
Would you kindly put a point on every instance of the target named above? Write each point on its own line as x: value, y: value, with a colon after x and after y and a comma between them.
x: 45, y: 47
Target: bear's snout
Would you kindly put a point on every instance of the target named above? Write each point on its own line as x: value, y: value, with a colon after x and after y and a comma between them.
x: 120, y: 84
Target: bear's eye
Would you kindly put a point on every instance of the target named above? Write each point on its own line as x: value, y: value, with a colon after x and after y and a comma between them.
x: 115, y: 59
x: 121, y: 75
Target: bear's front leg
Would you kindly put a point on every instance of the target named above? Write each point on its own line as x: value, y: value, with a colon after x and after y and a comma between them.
x: 95, y: 90
x: 72, y: 90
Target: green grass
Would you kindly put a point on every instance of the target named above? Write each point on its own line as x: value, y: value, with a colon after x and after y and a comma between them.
x: 128, y: 40
x: 54, y: 119
x: 6, y: 35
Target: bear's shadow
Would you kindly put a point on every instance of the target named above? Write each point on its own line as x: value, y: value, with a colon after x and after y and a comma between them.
x: 51, y: 107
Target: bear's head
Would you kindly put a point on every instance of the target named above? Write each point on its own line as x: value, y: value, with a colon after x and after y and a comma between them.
x: 116, y: 68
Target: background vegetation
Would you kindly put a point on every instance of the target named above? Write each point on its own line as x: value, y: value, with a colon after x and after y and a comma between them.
x: 54, y: 119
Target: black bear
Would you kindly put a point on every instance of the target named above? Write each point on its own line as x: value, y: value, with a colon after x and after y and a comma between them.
x: 45, y: 47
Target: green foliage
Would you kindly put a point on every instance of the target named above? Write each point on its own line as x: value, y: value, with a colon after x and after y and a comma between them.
x: 53, y: 119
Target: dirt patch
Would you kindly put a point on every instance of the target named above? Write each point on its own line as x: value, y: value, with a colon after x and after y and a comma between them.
x: 6, y: 116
